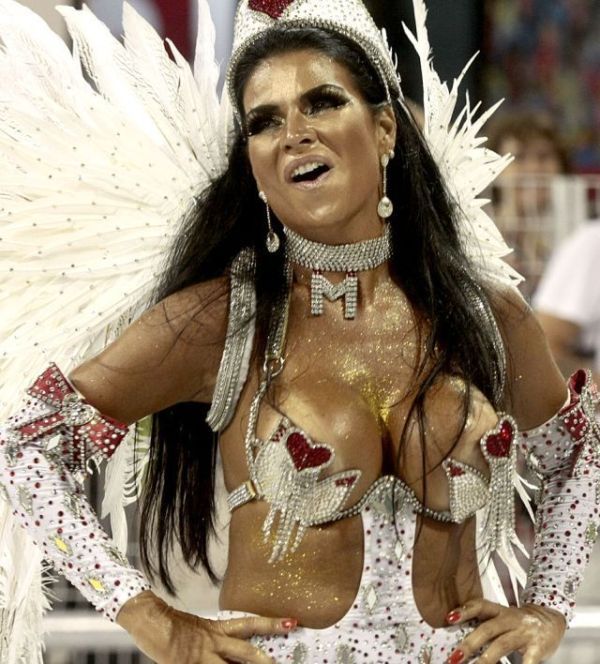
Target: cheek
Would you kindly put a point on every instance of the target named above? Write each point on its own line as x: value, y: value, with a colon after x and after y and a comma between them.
x: 362, y: 155
x: 262, y: 160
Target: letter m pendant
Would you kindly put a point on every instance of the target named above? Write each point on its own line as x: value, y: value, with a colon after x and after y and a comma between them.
x: 322, y: 288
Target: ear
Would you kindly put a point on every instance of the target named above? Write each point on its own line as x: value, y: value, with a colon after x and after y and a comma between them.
x: 386, y: 128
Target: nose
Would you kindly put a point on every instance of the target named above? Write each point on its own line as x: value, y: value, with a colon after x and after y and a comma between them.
x: 299, y: 132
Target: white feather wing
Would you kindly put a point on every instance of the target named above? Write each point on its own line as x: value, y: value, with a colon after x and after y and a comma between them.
x: 467, y: 166
x: 94, y: 181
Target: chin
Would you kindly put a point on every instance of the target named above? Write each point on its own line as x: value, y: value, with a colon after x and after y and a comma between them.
x: 317, y: 224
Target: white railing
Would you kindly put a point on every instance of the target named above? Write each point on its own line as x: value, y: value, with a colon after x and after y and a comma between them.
x: 80, y: 633
x: 535, y: 213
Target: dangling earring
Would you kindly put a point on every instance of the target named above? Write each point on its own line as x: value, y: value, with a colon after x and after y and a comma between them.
x: 273, y: 241
x: 385, y: 208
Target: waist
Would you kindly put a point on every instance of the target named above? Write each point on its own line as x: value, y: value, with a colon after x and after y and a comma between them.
x: 317, y: 583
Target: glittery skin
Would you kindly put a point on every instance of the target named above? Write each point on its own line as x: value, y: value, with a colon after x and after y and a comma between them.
x: 50, y: 504
x: 383, y: 625
x: 379, y: 389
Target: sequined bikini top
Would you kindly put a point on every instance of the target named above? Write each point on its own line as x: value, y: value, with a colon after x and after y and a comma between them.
x: 287, y: 472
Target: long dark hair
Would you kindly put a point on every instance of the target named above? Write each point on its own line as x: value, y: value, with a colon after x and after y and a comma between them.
x: 428, y: 264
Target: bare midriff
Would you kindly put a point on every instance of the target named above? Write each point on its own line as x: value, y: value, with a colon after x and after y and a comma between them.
x: 350, y: 386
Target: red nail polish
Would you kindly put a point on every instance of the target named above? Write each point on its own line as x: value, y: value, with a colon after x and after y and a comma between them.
x: 289, y: 624
x: 456, y: 657
x: 453, y: 616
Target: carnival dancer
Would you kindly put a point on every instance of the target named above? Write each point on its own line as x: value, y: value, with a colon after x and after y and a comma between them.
x: 334, y: 304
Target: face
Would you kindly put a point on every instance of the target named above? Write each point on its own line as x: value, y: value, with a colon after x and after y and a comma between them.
x: 536, y: 156
x: 535, y: 160
x: 315, y: 146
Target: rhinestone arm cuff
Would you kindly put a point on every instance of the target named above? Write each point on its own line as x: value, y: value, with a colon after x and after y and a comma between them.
x: 47, y: 500
x: 55, y: 408
x: 565, y: 453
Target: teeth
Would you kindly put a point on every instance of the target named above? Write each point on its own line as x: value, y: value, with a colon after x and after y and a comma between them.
x: 307, y: 168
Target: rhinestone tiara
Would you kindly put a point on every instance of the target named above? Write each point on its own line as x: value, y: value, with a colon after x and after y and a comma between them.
x: 349, y: 18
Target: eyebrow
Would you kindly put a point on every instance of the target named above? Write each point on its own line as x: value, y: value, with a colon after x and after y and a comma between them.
x: 305, y: 96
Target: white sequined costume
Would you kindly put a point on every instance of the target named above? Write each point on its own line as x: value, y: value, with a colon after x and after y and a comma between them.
x: 383, y: 625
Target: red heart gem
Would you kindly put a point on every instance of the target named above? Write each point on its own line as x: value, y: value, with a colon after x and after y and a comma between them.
x: 455, y: 471
x: 274, y: 8
x: 346, y: 481
x: 304, y: 455
x: 498, y: 444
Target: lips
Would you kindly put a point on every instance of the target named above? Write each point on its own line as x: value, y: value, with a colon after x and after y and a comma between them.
x: 307, y: 171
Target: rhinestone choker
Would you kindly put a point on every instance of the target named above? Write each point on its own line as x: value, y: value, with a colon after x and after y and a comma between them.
x: 348, y: 258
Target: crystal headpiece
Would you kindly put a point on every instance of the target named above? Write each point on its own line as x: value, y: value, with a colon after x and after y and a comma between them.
x: 349, y: 18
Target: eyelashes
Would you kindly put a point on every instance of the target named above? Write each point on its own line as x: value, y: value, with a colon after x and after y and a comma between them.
x: 259, y: 122
x: 315, y: 102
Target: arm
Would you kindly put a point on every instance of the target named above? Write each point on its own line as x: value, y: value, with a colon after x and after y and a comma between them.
x: 553, y: 442
x: 563, y: 336
x: 565, y: 453
x: 555, y: 437
x: 170, y: 355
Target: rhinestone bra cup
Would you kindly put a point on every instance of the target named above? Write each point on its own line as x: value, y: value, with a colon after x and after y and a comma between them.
x: 286, y: 471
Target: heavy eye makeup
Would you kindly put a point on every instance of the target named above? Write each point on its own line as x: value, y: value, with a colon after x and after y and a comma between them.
x: 313, y: 102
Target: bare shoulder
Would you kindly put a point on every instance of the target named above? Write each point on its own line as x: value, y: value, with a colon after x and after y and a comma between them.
x: 535, y: 388
x: 168, y: 355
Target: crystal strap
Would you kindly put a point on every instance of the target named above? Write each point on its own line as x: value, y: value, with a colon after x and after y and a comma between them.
x: 356, y: 257
x: 238, y: 343
x: 245, y: 493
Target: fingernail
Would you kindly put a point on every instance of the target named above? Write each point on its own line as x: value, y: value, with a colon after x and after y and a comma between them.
x: 453, y: 616
x: 289, y: 623
x: 456, y: 657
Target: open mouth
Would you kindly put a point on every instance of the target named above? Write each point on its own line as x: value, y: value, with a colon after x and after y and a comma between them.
x: 309, y: 172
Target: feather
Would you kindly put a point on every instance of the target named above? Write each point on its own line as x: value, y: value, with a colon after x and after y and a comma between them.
x: 95, y: 180
x: 466, y: 166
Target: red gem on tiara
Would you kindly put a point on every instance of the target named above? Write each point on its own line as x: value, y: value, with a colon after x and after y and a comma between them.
x: 274, y: 8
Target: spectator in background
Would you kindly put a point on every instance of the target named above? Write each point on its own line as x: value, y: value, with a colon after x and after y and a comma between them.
x: 568, y: 301
x: 522, y: 197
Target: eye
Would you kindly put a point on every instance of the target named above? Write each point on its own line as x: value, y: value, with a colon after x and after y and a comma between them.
x: 256, y: 124
x: 326, y: 100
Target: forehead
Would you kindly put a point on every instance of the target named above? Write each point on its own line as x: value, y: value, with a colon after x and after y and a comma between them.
x: 531, y: 142
x: 284, y: 77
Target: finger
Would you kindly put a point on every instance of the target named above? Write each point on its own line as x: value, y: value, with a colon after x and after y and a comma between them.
x: 244, y: 628
x: 476, y: 640
x: 482, y: 609
x: 532, y: 656
x: 500, y: 647
x: 236, y: 650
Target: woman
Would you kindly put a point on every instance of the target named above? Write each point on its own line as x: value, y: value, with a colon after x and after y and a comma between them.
x: 359, y: 438
x: 524, y: 199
